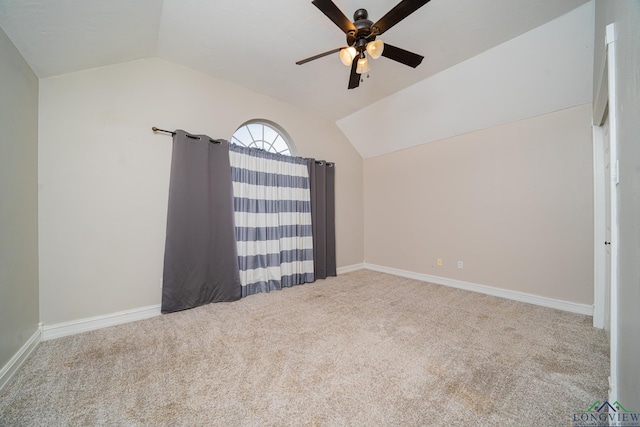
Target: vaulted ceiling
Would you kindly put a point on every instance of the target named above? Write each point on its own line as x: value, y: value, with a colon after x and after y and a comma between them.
x: 255, y: 44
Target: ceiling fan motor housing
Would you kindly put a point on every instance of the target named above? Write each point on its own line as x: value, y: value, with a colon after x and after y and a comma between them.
x: 362, y: 35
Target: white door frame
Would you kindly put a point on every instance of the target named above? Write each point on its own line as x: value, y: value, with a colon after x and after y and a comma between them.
x: 599, y: 221
x: 605, y: 105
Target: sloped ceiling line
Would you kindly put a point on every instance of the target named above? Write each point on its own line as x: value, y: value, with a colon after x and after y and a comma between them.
x: 544, y: 70
x: 256, y: 44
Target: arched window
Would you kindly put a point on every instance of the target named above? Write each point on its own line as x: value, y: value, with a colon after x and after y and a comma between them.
x: 265, y: 135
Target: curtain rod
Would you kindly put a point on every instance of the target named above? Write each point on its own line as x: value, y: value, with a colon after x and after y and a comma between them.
x: 155, y: 129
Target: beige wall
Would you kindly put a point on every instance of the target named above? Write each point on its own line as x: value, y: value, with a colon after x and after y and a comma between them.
x: 18, y: 201
x: 513, y: 202
x: 104, y: 177
x: 626, y: 15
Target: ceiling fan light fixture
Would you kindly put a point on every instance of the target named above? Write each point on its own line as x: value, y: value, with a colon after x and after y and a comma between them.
x: 347, y: 54
x: 375, y: 48
x: 361, y: 37
x: 363, y: 66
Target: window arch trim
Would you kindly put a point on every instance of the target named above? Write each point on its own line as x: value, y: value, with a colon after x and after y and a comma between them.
x: 252, y: 133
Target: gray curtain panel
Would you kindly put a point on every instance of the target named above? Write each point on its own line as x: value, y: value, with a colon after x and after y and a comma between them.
x: 200, y: 259
x: 322, y: 183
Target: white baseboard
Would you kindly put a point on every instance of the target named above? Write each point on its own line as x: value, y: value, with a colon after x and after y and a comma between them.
x: 350, y: 268
x: 8, y: 370
x: 488, y: 290
x: 59, y: 330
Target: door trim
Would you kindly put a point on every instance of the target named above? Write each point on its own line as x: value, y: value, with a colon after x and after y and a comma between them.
x: 599, y: 215
x: 605, y: 105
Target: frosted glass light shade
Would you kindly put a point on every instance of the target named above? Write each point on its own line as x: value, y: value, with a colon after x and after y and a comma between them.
x: 363, y: 66
x: 347, y: 55
x: 375, y: 48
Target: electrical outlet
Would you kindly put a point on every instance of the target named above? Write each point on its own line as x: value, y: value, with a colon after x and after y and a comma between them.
x: 460, y: 264
x: 439, y: 262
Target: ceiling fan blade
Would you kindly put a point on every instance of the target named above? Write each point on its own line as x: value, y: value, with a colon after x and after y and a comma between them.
x: 397, y: 14
x: 354, y: 78
x: 318, y: 56
x: 403, y: 56
x: 330, y: 9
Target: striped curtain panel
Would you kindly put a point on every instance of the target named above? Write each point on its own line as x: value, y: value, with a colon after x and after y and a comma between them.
x: 272, y: 205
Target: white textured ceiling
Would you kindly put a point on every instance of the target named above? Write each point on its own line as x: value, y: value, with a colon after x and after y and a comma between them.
x: 255, y: 43
x: 61, y: 36
x: 544, y: 70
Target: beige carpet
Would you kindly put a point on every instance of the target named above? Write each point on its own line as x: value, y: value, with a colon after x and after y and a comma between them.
x: 363, y: 349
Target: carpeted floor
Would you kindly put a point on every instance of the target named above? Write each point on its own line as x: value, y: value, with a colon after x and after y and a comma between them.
x: 362, y: 349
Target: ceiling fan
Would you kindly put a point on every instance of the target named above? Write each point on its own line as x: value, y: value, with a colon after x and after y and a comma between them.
x: 361, y: 37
